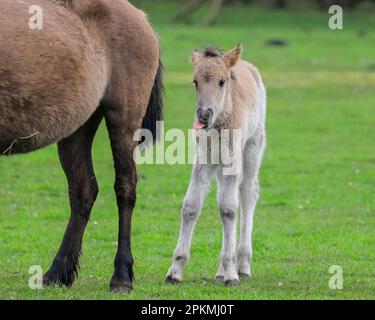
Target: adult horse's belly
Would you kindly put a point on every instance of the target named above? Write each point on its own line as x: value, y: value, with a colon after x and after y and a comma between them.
x: 51, y: 80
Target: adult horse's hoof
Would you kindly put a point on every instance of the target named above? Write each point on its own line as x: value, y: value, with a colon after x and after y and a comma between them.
x: 244, y: 275
x: 120, y: 286
x: 59, y: 276
x: 232, y: 283
x: 170, y: 280
x: 124, y: 289
x: 220, y: 279
x: 56, y: 280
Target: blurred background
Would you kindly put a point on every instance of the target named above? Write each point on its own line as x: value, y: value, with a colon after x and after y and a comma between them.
x: 189, y: 7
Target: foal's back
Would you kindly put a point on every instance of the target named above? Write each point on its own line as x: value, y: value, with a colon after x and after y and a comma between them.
x: 52, y: 79
x: 248, y: 95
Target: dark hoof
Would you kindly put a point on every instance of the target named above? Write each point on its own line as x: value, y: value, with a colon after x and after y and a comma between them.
x: 58, y: 280
x: 232, y: 283
x: 244, y: 275
x: 124, y: 289
x: 170, y: 280
x: 220, y: 279
x: 60, y: 277
x: 120, y: 286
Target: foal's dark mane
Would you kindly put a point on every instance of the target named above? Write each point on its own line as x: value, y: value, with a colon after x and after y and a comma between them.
x: 212, y: 52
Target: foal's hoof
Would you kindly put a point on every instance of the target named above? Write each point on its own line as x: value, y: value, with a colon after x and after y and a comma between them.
x: 244, y: 275
x: 220, y: 279
x: 232, y: 283
x: 170, y: 280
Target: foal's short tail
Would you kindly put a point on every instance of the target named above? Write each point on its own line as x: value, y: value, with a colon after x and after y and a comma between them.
x: 154, y: 111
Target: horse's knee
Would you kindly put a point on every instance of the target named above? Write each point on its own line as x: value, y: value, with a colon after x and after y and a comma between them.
x: 83, y: 197
x: 126, y: 193
x: 228, y: 212
x: 190, y: 211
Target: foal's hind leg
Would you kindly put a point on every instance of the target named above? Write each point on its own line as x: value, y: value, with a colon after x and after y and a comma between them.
x: 249, y: 194
x: 75, y: 158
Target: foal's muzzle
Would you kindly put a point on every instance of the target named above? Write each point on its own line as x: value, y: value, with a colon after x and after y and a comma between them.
x: 204, y: 116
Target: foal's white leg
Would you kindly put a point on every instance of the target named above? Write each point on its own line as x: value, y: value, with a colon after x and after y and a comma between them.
x: 249, y: 194
x: 228, y: 201
x: 193, y: 202
x: 248, y: 197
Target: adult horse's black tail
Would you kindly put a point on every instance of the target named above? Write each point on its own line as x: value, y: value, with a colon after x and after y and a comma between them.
x: 155, y: 106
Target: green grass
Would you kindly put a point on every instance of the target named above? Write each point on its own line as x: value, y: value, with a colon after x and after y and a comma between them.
x: 317, y: 203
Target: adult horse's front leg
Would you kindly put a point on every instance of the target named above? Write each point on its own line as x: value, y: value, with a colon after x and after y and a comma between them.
x: 121, y: 131
x: 75, y: 158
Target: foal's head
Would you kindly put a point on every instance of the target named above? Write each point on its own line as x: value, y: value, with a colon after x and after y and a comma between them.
x: 212, y: 78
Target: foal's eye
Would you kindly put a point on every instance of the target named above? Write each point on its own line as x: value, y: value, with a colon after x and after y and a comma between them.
x: 221, y: 83
x: 196, y: 84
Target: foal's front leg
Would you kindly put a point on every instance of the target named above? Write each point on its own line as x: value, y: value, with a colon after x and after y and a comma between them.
x: 228, y: 201
x: 199, y: 186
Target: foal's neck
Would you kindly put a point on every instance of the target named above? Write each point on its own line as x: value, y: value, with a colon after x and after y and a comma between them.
x: 228, y: 102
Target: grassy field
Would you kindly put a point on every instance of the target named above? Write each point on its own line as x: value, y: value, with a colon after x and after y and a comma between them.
x: 317, y: 205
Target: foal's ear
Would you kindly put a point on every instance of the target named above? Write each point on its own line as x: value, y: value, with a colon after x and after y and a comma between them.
x: 195, y: 57
x: 231, y: 57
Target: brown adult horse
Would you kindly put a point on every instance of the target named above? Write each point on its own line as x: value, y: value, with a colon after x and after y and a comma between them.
x: 91, y: 60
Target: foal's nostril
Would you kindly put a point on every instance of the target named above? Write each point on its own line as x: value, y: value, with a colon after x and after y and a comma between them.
x: 201, y: 114
x: 204, y: 115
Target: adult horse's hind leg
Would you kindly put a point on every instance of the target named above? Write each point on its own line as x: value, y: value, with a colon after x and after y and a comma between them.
x: 121, y: 128
x: 75, y: 158
x: 133, y: 100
